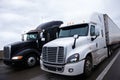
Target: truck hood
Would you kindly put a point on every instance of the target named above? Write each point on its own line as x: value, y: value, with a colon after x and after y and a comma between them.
x: 60, y: 42
x: 22, y: 44
x: 19, y: 46
x: 64, y: 42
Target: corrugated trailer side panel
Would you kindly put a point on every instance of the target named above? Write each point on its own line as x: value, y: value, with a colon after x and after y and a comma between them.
x: 112, y: 31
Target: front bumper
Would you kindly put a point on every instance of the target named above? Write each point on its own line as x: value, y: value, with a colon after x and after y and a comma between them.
x: 13, y: 62
x: 71, y: 69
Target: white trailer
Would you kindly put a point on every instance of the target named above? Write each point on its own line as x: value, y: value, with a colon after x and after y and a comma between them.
x: 80, y: 46
x: 112, y: 31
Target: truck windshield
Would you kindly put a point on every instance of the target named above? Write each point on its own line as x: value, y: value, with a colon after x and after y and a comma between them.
x: 81, y: 30
x: 32, y: 36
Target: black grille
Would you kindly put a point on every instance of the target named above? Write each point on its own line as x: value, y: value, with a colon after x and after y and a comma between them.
x: 53, y: 68
x: 7, y: 52
x: 53, y: 55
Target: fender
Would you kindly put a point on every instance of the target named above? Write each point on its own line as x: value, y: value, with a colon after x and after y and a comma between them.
x: 83, y: 50
x: 27, y: 51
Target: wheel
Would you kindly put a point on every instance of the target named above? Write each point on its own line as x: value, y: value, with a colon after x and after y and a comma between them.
x: 109, y: 52
x: 88, y: 66
x: 31, y: 60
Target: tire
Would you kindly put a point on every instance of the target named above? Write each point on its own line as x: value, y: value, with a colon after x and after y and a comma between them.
x: 88, y: 66
x: 109, y: 52
x: 31, y: 60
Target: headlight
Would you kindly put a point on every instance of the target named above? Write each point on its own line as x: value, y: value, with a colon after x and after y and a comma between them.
x: 73, y: 58
x: 17, y: 57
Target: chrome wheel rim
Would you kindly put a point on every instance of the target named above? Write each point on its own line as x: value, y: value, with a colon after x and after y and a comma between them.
x: 31, y: 61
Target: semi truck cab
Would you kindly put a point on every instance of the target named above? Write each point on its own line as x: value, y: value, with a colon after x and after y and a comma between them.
x: 27, y: 51
x: 79, y: 47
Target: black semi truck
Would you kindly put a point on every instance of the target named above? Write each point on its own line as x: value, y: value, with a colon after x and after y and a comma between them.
x: 27, y: 52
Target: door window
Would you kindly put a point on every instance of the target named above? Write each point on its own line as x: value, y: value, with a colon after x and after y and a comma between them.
x: 92, y: 30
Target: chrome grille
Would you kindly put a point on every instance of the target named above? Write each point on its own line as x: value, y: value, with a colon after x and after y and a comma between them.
x: 7, y: 52
x: 60, y: 55
x: 53, y: 55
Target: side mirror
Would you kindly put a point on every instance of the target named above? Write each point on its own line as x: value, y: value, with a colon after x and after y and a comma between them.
x: 24, y: 37
x: 41, y: 36
x: 75, y: 36
x: 42, y: 39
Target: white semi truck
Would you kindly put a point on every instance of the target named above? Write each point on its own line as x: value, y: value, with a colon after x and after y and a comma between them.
x: 80, y: 46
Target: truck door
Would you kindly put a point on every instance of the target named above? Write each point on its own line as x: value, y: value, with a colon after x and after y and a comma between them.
x: 99, y: 42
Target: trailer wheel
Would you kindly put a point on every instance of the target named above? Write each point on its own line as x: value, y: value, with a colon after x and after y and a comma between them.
x: 109, y: 52
x: 31, y: 60
x: 88, y: 66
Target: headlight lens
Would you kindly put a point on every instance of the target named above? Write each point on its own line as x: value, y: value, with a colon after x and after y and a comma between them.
x: 17, y: 57
x: 73, y: 58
